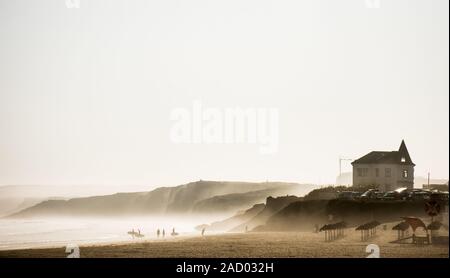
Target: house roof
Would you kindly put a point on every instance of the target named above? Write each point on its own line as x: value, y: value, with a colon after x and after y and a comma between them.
x: 382, y: 157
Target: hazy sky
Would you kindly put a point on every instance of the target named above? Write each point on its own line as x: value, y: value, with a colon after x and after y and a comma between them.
x: 86, y: 93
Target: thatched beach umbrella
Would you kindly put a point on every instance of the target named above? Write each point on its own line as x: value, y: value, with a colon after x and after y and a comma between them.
x: 368, y: 229
x: 401, y: 228
x: 333, y: 231
x: 327, y: 229
x: 435, y: 225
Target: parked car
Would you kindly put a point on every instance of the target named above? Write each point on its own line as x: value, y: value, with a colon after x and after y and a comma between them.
x: 370, y: 194
x: 419, y: 194
x: 349, y: 195
x: 439, y: 196
x: 402, y: 193
x: 379, y: 195
x: 391, y: 195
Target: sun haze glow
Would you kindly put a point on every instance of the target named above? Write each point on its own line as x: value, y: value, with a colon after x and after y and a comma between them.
x: 86, y: 92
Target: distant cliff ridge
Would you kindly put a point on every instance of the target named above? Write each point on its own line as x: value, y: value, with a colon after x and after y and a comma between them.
x: 194, y: 197
x: 238, y: 201
x: 273, y: 205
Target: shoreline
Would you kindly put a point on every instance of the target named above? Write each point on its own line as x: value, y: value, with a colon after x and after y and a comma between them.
x: 99, y: 244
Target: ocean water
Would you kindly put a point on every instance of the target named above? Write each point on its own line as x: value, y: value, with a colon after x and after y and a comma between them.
x: 53, y: 232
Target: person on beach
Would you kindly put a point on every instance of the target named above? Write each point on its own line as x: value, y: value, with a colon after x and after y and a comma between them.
x: 157, y: 233
x: 164, y: 233
x: 173, y: 232
x: 203, y: 231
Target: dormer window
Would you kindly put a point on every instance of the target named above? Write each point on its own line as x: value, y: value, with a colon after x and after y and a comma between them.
x: 403, y: 159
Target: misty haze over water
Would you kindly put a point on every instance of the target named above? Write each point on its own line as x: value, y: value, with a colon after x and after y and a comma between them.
x: 51, y: 232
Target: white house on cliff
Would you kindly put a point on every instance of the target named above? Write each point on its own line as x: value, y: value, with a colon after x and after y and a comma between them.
x: 388, y: 170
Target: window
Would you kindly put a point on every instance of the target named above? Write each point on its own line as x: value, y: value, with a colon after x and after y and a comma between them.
x: 377, y: 172
x: 362, y: 172
x: 405, y: 174
x: 403, y: 159
x: 387, y: 172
